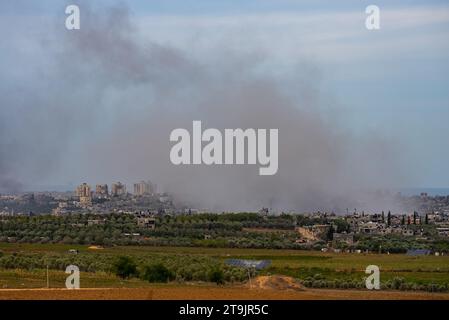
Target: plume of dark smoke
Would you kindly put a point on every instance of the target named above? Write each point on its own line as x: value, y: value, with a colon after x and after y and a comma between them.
x: 103, y: 107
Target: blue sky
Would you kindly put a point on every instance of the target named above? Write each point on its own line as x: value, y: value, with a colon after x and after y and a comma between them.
x: 220, y: 6
x: 393, y: 82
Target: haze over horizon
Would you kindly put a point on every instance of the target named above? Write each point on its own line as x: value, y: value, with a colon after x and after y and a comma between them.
x: 356, y: 110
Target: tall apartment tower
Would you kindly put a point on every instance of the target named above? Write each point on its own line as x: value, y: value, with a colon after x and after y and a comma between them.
x: 102, y: 190
x: 83, y: 190
x: 85, y: 195
x: 118, y: 189
x: 141, y: 188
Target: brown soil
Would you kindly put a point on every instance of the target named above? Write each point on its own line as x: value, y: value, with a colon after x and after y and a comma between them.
x: 211, y: 293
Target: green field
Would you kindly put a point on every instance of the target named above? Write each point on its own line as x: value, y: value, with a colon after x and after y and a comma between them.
x: 315, y: 268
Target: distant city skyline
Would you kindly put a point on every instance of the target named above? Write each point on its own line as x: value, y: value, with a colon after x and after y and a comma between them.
x: 406, y: 191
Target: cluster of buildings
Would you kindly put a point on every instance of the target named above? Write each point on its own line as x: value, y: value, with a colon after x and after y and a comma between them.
x: 407, y: 225
x: 118, y: 189
x: 115, y: 198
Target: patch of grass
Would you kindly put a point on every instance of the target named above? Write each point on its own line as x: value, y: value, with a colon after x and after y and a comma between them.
x: 299, y: 264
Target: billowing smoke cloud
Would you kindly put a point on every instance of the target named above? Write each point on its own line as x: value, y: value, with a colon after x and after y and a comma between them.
x: 98, y: 104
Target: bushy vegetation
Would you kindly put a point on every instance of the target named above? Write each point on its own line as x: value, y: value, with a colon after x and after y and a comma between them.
x: 153, y: 268
x: 216, y: 275
x: 396, y: 284
x: 227, y: 230
x: 157, y: 273
x: 138, y: 264
x: 125, y: 267
x: 205, y: 230
x: 351, y: 278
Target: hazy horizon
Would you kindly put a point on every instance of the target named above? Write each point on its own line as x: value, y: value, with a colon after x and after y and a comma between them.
x: 357, y: 110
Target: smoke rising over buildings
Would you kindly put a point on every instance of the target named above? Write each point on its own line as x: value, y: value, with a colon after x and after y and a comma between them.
x: 99, y: 104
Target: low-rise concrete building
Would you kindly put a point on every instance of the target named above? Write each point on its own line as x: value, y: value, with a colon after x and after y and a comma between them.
x: 146, y: 222
x: 339, y: 238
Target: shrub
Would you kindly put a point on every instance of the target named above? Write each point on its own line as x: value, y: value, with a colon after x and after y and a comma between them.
x: 432, y: 287
x: 397, y: 282
x: 157, y: 273
x: 318, y: 276
x: 216, y: 275
x: 125, y: 267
